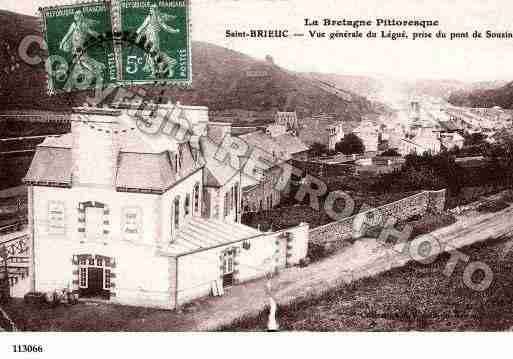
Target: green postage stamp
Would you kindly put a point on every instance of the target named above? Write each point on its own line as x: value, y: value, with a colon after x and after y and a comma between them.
x: 121, y: 42
x: 159, y: 47
x: 79, y: 54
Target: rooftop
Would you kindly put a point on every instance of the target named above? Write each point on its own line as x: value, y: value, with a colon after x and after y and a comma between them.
x: 200, y: 233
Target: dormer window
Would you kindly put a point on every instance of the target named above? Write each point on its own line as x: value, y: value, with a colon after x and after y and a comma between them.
x: 180, y: 157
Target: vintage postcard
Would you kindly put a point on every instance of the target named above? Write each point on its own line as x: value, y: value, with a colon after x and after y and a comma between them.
x: 289, y: 166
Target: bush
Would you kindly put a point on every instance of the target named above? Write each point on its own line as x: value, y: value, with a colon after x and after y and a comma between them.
x: 350, y: 144
x: 391, y: 152
x: 493, y: 206
x: 316, y: 251
x: 34, y: 298
x: 420, y: 225
x: 430, y: 223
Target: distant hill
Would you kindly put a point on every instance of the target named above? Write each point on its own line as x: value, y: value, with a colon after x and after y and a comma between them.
x: 223, y: 79
x: 501, y: 95
x: 362, y: 85
x: 377, y: 87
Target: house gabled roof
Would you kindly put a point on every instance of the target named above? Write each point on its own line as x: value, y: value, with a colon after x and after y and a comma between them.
x: 143, y: 165
x: 50, y: 165
x: 292, y: 144
x: 264, y: 143
x: 217, y: 173
x: 145, y: 171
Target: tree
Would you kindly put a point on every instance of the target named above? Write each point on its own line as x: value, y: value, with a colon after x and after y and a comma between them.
x: 391, y: 153
x: 350, y: 144
x: 474, y: 139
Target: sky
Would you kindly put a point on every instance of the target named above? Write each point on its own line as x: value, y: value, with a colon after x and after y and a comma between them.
x: 467, y: 60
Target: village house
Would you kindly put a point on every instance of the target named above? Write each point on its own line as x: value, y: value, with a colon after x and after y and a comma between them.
x: 322, y: 128
x: 452, y: 140
x: 368, y: 132
x: 426, y: 139
x: 284, y: 122
x: 261, y: 185
x: 141, y: 218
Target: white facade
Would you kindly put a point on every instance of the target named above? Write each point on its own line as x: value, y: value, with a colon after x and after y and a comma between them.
x: 369, y: 134
x: 335, y: 135
x: 114, y: 216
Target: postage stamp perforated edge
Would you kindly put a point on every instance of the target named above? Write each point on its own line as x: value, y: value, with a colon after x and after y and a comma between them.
x: 114, y: 7
x: 42, y: 17
x: 117, y: 26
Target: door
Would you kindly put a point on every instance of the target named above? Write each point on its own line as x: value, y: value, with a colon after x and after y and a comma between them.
x: 228, y: 268
x: 95, y: 281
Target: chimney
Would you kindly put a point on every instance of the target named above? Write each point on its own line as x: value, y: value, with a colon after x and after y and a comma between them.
x: 95, y: 133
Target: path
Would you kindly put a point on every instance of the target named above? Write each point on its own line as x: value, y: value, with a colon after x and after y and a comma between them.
x: 364, y: 258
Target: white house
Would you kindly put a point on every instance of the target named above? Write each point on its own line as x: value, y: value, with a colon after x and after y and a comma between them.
x: 452, y: 140
x: 426, y: 140
x: 368, y: 132
x: 142, y: 218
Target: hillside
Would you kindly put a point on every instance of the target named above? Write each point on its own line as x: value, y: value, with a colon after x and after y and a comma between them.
x: 485, y: 97
x: 362, y: 85
x: 222, y: 79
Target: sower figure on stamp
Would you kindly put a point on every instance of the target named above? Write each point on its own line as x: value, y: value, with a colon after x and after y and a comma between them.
x: 74, y: 41
x: 150, y: 28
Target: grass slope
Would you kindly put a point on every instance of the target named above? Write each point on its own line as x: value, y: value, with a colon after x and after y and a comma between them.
x: 414, y: 297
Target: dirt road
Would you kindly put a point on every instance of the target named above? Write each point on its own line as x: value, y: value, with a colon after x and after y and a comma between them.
x: 365, y: 258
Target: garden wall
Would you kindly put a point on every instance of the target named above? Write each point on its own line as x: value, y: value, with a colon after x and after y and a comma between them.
x: 355, y: 226
x: 324, y: 169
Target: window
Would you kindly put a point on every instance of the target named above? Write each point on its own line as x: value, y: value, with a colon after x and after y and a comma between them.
x: 196, y: 198
x: 226, y: 203
x: 177, y: 212
x: 131, y: 221
x: 187, y: 204
x: 177, y: 164
x: 180, y: 156
x: 83, y: 277
x: 236, y: 195
x: 56, y: 220
x: 232, y: 193
x: 107, y: 279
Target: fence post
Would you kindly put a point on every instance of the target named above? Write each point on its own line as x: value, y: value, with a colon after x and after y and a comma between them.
x: 6, y: 288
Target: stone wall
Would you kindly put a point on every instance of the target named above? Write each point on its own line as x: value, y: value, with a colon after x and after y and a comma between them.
x: 356, y: 226
x: 321, y: 169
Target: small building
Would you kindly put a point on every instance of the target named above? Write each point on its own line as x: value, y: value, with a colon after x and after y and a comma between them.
x: 259, y: 180
x: 369, y: 134
x: 150, y: 219
x: 451, y: 140
x: 325, y: 129
x: 426, y: 140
